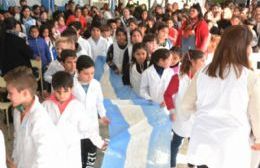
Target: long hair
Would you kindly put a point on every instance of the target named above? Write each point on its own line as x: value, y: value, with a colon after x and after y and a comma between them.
x: 231, y: 52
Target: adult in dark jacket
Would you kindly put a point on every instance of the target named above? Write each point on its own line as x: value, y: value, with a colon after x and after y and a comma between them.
x: 14, y: 51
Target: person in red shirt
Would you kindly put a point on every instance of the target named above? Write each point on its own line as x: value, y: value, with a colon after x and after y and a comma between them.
x: 77, y: 17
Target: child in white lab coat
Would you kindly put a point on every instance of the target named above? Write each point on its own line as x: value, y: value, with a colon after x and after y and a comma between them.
x: 67, y: 114
x: 140, y: 63
x: 191, y: 63
x: 2, y: 151
x: 88, y: 91
x: 156, y: 78
x: 36, y: 140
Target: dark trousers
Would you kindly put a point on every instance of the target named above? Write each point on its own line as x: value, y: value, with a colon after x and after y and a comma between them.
x: 175, y: 145
x: 202, y: 166
x: 88, y: 153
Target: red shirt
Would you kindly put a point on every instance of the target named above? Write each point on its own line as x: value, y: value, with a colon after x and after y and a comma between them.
x: 173, y: 34
x: 171, y: 90
x: 61, y: 106
x: 82, y: 20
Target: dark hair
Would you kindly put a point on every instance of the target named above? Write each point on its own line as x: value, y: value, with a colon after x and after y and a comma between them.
x: 161, y: 53
x: 70, y: 33
x: 160, y: 26
x: 250, y: 21
x: 136, y: 30
x: 231, y: 52
x: 149, y: 38
x: 62, y: 79
x: 136, y: 47
x: 96, y: 24
x: 187, y: 58
x: 176, y: 50
x: 22, y: 10
x: 75, y: 25
x: 132, y: 20
x: 198, y: 8
x: 33, y: 27
x: 10, y: 23
x: 67, y: 53
x: 105, y: 28
x: 122, y: 30
x: 42, y: 28
x: 84, y: 62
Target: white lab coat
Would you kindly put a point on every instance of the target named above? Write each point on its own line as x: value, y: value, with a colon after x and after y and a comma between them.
x: 153, y: 86
x: 221, y: 129
x: 118, y: 54
x: 85, y: 46
x: 93, y: 104
x: 135, y: 79
x: 180, y: 127
x: 98, y: 48
x: 54, y: 67
x: 2, y: 151
x: 70, y: 125
x: 37, y: 143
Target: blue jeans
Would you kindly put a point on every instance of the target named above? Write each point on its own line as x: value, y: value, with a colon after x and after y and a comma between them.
x: 175, y: 144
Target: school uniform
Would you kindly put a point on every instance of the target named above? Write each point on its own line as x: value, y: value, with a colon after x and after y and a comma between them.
x: 37, y: 143
x: 154, y: 84
x: 226, y: 112
x: 115, y: 56
x: 136, y: 71
x: 2, y: 151
x: 98, y: 48
x: 90, y: 95
x: 85, y: 45
x: 54, y: 67
x: 126, y: 64
x: 70, y: 123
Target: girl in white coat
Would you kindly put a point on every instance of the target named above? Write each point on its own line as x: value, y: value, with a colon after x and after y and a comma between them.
x: 139, y: 64
x: 36, y: 141
x: 225, y: 96
x: 88, y: 91
x: 156, y: 78
x: 192, y: 61
x: 2, y: 151
x: 67, y: 114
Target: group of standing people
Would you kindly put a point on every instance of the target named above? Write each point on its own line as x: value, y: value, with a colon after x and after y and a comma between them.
x: 195, y: 64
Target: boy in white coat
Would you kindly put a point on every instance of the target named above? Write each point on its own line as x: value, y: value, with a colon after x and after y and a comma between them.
x: 67, y: 113
x: 36, y: 142
x: 88, y: 91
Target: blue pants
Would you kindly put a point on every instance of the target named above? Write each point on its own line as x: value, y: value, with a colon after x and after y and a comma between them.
x: 175, y: 144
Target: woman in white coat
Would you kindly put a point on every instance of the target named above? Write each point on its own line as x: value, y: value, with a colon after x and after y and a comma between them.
x: 156, y: 78
x: 192, y: 61
x: 225, y: 96
x: 67, y: 114
x: 88, y: 91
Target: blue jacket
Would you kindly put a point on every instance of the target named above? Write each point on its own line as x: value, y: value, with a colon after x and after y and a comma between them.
x: 40, y: 48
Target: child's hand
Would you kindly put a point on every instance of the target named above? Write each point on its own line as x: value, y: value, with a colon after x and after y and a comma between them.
x: 162, y: 104
x: 105, y: 121
x: 105, y: 145
x: 10, y: 163
x: 256, y: 146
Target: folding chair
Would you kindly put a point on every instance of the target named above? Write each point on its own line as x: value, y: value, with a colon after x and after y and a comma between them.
x: 5, y: 105
x: 38, y: 65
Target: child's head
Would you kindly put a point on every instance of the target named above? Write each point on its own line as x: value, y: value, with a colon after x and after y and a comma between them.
x: 136, y: 36
x: 192, y: 60
x: 132, y: 24
x: 162, y: 31
x: 106, y: 31
x: 34, y: 31
x: 69, y: 59
x: 121, y: 36
x: 169, y: 22
x: 176, y: 55
x: 162, y: 57
x: 85, y: 68
x: 150, y: 43
x: 140, y: 54
x: 76, y: 26
x: 64, y: 43
x: 44, y: 31
x: 112, y: 24
x: 21, y: 85
x: 142, y: 27
x: 96, y: 30
x: 235, y: 20
x: 62, y: 83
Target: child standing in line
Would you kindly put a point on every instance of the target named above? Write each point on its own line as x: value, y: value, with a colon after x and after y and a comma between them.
x: 156, y: 78
x: 67, y: 114
x: 150, y: 43
x: 39, y: 47
x: 88, y: 91
x: 140, y: 63
x: 36, y: 140
x: 191, y: 63
x: 176, y: 59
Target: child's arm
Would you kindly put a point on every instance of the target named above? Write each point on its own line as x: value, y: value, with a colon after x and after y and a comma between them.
x: 144, y: 87
x: 100, y: 106
x: 47, y: 52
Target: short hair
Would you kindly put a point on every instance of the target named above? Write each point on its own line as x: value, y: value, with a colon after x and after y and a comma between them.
x: 64, y: 40
x: 149, y: 38
x: 105, y: 28
x: 67, y: 53
x: 22, y: 78
x: 161, y: 53
x: 84, y: 62
x: 76, y: 25
x: 70, y: 33
x: 62, y: 79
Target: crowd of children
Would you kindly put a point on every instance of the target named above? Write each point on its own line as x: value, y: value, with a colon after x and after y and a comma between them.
x: 193, y: 62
